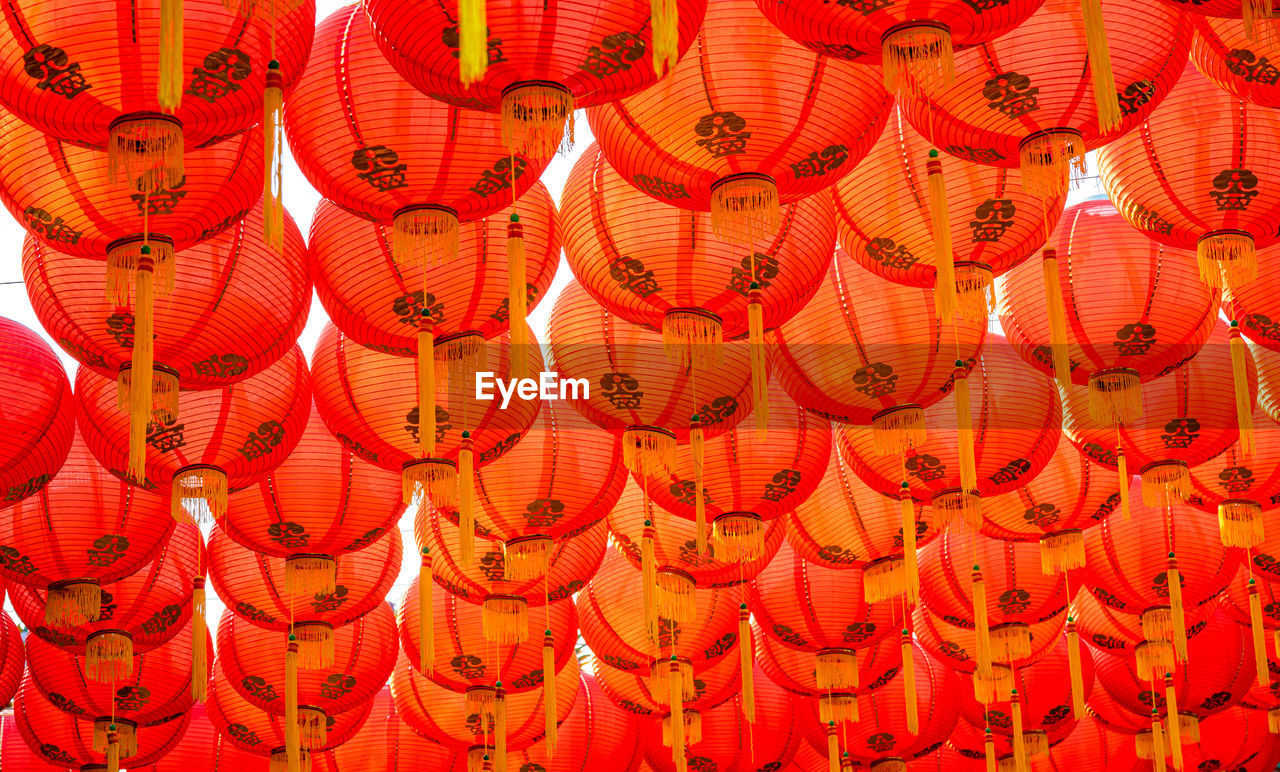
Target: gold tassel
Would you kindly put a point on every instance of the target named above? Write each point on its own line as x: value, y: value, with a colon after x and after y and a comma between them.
x: 426, y: 614
x: 169, y: 95
x: 981, y: 626
x: 1122, y: 472
x: 466, y: 502
x: 505, y: 619
x: 1275, y: 636
x: 199, y: 647
x: 898, y: 429
x: 737, y: 537
x: 649, y: 579
x: 1047, y: 159
x: 841, y: 708
x: 1251, y: 13
x: 909, y: 683
x: 203, y: 483
x: 527, y: 558
x: 1259, y: 635
x: 1056, y: 308
x: 1179, y: 620
x: 310, y: 575
x: 989, y: 750
x: 1157, y: 743
x: 664, y: 19
x: 964, y: 425
x: 994, y: 686
x: 944, y: 286
x: 907, y: 508
x: 1104, y: 82
x: 1273, y: 720
x: 108, y: 656
x: 759, y: 363
x: 1019, y: 747
x: 273, y: 158
x: 1240, y: 524
x: 72, y: 603
x: 1166, y: 481
x: 1078, y: 710
x: 473, y: 43
x: 674, y: 596
x: 164, y: 392
x: 959, y: 510
x: 923, y: 51
x: 145, y: 153
x: 1227, y: 257
x: 537, y: 119
x: 884, y: 578
x: 692, y: 728
x: 292, y: 734
x: 142, y: 366
x: 113, y: 750
x: 833, y: 748
x: 500, y: 727
x: 313, y: 730
x: 434, y: 478
x: 836, y: 669
x: 426, y: 387
x: 1062, y: 551
x: 549, y: 702
x: 424, y: 236
x: 699, y: 446
x: 1115, y: 396
x: 691, y: 337
x: 648, y: 452
x: 974, y: 290
x: 744, y: 208
x: 126, y: 735
x: 1175, y: 723
x: 280, y: 760
x: 746, y: 662
x: 675, y: 686
x: 1240, y: 381
x: 1010, y: 642
x: 517, y: 297
x: 315, y: 645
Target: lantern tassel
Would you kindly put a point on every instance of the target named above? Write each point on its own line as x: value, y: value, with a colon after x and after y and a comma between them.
x: 1177, y: 610
x: 1240, y: 381
x: 426, y: 386
x: 199, y: 635
x: 675, y: 685
x: 897, y: 429
x: 649, y: 578
x: 746, y: 663
x: 744, y: 208
x: 71, y: 603
x: 836, y: 669
x: 466, y: 501
x: 944, y: 287
x: 981, y: 625
x: 551, y: 730
x: 500, y: 728
x: 909, y: 683
x: 1078, y: 710
x: 1104, y: 81
x: 989, y: 751
x: 517, y: 298
x: 1259, y: 635
x: 1240, y: 524
x: 1175, y: 723
x: 1227, y: 257
x: 505, y: 619
x: 537, y: 119
x: 1252, y: 12
x: 423, y: 236
x: 1157, y: 743
x: 648, y: 452
x: 1115, y: 396
x: 1122, y: 472
x: 473, y: 44
x: 1019, y: 747
x: 1273, y: 720
x: 964, y: 426
x: 833, y: 748
x: 108, y: 656
x: 273, y: 158
x: 666, y: 34
x: 1062, y: 551
x: 759, y: 369
x: 113, y: 750
x: 426, y: 614
x: 169, y: 95
x: 143, y: 364
x: 1056, y: 308
x: 292, y: 733
x: 907, y: 508
x: 922, y: 51
x: 205, y: 484
x: 698, y: 443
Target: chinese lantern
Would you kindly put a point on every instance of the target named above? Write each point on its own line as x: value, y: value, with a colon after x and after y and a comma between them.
x: 1239, y: 487
x: 1235, y: 58
x: 548, y: 60
x: 199, y: 325
x: 665, y: 268
x: 1134, y: 309
x: 158, y: 690
x: 38, y: 407
x: 221, y: 440
x: 955, y: 643
x: 1071, y: 494
x: 385, y: 743
x: 992, y: 222
x: 256, y: 587
x: 1092, y: 743
x: 747, y: 122
x: 596, y: 735
x: 635, y: 390
x: 1185, y: 420
x: 1118, y: 632
x: 1236, y: 738
x: 136, y: 613
x: 1132, y: 565
x: 63, y: 740
x: 1116, y: 718
x: 81, y: 531
x: 203, y: 747
x: 973, y: 741
x: 324, y: 503
x: 1268, y: 364
x: 1017, y: 100
x: 1211, y: 153
x: 823, y: 611
x: 675, y: 543
x: 141, y: 88
x: 13, y: 746
x: 747, y: 482
x: 794, y: 671
x: 648, y: 694
x: 12, y: 658
x: 978, y: 446
x: 1253, y: 305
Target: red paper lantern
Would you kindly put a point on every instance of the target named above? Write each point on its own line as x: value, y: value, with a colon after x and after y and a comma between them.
x: 597, y: 735
x: 747, y: 122
x: 38, y: 407
x: 957, y: 646
x: 1235, y: 57
x: 1211, y: 154
x: 206, y: 749
x: 794, y: 670
x: 221, y: 440
x: 13, y: 746
x: 1093, y: 743
x: 12, y: 658
x: 1236, y: 738
x: 1268, y: 364
x: 1044, y: 696
x: 1240, y: 486
x: 81, y: 531
x: 648, y: 693
x: 1254, y: 305
x: 1022, y: 99
x: 386, y: 743
x: 1117, y: 632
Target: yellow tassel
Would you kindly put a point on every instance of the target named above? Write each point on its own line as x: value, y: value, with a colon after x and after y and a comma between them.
x: 527, y: 558
x: 1062, y: 551
x: 310, y: 575
x: 1165, y: 482
x: 108, y: 656
x: 142, y: 364
x: 675, y: 597
x: 838, y: 707
x: 426, y: 386
x: 426, y: 614
x: 1115, y: 396
x: 664, y: 19
x: 1252, y: 12
x: 974, y: 290
x: 126, y: 733
x: 113, y: 750
x: 675, y: 689
x: 649, y: 578
x: 1104, y: 82
x: 551, y: 730
x: 909, y: 683
x: 313, y: 730
x: 1077, y: 673
x: 145, y: 153
x: 699, y: 446
x: 744, y: 208
x: 989, y: 751
x: 959, y: 510
x: 466, y: 501
x: 1175, y: 723
x: 1157, y: 743
x: 648, y: 452
x: 1019, y: 746
x: 164, y: 392
x: 424, y: 236
x: 898, y: 429
x: 691, y: 337
x: 280, y: 760
x: 315, y: 645
x: 1056, y: 308
x: 907, y: 509
x: 1259, y: 632
x: 500, y: 728
x: 517, y: 297
x: 537, y: 119
x: 1227, y: 257
x: 964, y: 425
x: 199, y: 647
x: 292, y: 734
x: 737, y: 537
x: 434, y: 478
x: 923, y: 51
x: 883, y: 579
x: 1240, y: 380
x: 1275, y: 637
x: 944, y: 287
x: 982, y: 628
x: 72, y: 603
x: 692, y: 728
x: 746, y: 663
x: 1175, y: 606
x: 1273, y: 720
x: 1122, y: 473
x: 836, y: 669
x: 273, y: 158
x: 759, y: 365
x: 994, y: 686
x: 200, y: 483
x: 1047, y: 159
x: 1010, y: 642
x: 1240, y: 523
x: 505, y: 619
x: 473, y: 43
x: 171, y: 76
x: 833, y: 748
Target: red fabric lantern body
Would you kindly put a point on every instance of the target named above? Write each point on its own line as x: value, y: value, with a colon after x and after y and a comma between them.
x: 651, y: 263
x: 419, y: 153
x: 865, y: 346
x: 379, y: 304
x: 957, y: 646
x: 1117, y: 632
x: 597, y: 735
x: 1044, y: 691
x: 1213, y: 155
x: 199, y: 324
x: 747, y: 121
x: 12, y: 658
x: 39, y: 408
x: 648, y: 693
x: 1238, y: 62
x: 386, y: 743
x: 17, y: 756
x: 203, y: 747
x: 72, y: 75
x: 793, y: 669
x: 81, y: 531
